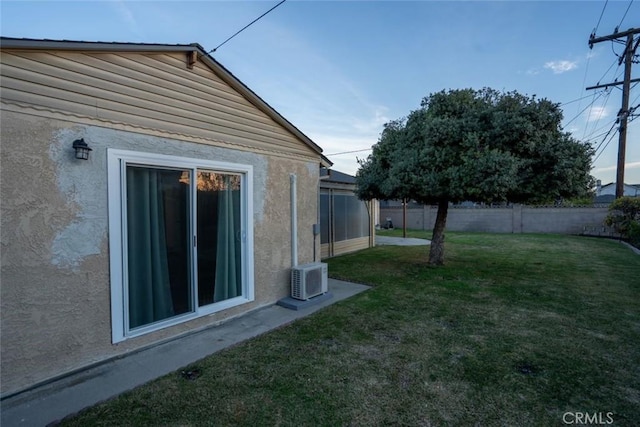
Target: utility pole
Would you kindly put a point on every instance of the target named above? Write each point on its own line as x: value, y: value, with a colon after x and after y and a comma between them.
x: 623, y: 115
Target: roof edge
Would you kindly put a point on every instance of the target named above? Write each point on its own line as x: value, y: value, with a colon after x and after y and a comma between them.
x: 34, y: 44
x: 255, y: 99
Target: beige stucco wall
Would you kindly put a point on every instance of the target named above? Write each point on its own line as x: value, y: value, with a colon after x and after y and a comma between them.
x: 55, y: 288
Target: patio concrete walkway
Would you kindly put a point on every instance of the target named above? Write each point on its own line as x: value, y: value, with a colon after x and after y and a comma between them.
x: 401, y: 241
x: 54, y: 401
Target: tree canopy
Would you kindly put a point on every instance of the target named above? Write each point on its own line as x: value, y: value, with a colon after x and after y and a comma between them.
x: 476, y: 145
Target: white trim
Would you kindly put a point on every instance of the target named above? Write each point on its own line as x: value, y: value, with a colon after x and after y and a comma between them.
x: 114, y: 180
x: 193, y: 243
x: 247, y: 269
x: 294, y: 220
x: 116, y: 160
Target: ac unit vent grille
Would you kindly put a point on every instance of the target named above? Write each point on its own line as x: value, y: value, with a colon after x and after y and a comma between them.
x: 314, y: 281
x: 309, y: 280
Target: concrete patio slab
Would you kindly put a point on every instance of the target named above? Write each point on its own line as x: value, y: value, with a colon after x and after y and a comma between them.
x: 58, y: 399
x: 401, y: 241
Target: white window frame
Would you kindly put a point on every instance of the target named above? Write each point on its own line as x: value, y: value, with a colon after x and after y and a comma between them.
x: 117, y: 161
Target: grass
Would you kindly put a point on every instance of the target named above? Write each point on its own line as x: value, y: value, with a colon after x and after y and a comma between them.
x: 513, y: 330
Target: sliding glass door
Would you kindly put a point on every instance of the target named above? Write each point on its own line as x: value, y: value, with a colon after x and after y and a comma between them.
x: 158, y: 249
x: 184, y: 246
x: 218, y: 237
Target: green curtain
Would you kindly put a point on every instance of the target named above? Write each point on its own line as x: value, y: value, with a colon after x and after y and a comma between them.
x: 148, y: 267
x: 228, y: 259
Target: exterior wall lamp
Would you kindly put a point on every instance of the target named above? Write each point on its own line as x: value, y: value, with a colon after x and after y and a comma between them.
x: 82, y: 149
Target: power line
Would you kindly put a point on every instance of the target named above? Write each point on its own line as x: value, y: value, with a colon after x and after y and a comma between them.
x: 614, y: 51
x: 605, y: 147
x: 603, y: 109
x: 606, y: 100
x: 592, y: 136
x: 584, y: 80
x: 632, y: 115
x: 584, y: 109
x: 590, y: 106
x: 637, y: 96
x: 609, y: 69
x: 598, y: 136
x: 595, y: 30
x: 613, y: 126
x: 593, y: 34
x: 246, y: 26
x: 584, y: 83
x: 632, y: 110
x: 576, y: 100
x: 349, y: 152
x: 625, y: 14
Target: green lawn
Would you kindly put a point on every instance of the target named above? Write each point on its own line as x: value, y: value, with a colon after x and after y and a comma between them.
x: 513, y: 330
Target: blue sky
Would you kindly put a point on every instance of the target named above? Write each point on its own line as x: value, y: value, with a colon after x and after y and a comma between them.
x: 339, y: 70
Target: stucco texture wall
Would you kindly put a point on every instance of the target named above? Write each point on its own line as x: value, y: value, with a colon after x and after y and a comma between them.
x: 55, y: 291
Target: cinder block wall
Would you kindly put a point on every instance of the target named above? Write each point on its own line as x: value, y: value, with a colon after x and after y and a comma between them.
x: 512, y: 219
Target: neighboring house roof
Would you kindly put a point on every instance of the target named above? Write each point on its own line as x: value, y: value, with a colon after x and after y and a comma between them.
x: 332, y: 179
x: 610, y: 188
x: 202, y: 54
x: 330, y: 175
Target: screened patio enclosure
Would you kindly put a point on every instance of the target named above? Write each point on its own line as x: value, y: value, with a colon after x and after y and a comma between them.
x: 347, y: 224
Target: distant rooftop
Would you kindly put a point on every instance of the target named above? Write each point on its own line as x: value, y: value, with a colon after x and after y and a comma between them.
x: 336, y: 176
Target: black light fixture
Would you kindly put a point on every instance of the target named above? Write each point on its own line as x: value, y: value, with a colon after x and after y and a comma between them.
x: 82, y: 149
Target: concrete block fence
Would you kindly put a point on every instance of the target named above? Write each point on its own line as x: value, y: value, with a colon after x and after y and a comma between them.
x: 510, y: 219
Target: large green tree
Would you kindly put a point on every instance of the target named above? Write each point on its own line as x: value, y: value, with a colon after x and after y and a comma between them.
x: 476, y: 145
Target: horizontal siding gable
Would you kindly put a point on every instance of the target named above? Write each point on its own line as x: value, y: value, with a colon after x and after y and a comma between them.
x: 154, y: 90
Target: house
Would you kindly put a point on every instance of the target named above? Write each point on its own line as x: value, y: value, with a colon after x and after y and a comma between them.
x: 607, y: 193
x: 143, y: 194
x: 347, y: 224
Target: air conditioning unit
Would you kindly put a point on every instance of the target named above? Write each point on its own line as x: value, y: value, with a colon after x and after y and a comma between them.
x: 309, y: 280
